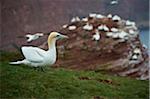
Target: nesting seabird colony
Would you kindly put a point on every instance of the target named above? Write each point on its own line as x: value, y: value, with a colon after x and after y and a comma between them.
x: 110, y: 28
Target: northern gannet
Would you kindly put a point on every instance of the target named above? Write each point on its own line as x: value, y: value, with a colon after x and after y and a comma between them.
x: 92, y: 15
x: 32, y: 37
x: 132, y: 32
x: 103, y: 28
x: 114, y: 30
x: 109, y: 34
x: 134, y: 57
x: 137, y: 51
x: 72, y: 27
x: 130, y: 23
x: 109, y: 16
x: 64, y: 26
x: 99, y: 16
x: 116, y: 18
x: 88, y: 27
x: 115, y: 35
x: 100, y: 28
x: 96, y: 36
x: 123, y: 34
x: 113, y: 2
x: 75, y: 19
x: 36, y: 57
x: 85, y: 19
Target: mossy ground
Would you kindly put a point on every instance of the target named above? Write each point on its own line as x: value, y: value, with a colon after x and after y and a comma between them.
x: 21, y: 81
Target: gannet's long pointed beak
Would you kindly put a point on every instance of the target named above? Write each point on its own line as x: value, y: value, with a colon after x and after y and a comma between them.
x: 64, y: 36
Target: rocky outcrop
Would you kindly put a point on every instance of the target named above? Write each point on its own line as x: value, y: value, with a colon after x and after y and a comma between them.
x: 118, y: 50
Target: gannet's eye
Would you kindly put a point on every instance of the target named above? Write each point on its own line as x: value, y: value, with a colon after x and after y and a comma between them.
x: 57, y: 36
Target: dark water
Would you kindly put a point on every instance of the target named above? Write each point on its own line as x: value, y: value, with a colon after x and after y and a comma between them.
x: 144, y: 37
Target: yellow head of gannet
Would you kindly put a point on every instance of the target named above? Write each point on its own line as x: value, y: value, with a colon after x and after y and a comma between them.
x: 37, y: 57
x: 53, y: 37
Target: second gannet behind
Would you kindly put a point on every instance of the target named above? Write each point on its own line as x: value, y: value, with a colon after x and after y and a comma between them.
x: 32, y: 37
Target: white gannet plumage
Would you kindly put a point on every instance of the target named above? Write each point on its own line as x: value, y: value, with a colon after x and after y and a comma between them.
x: 64, y: 26
x: 32, y: 37
x: 114, y: 30
x: 72, y: 27
x: 103, y: 28
x: 96, y: 36
x: 137, y: 51
x: 84, y: 19
x: 99, y: 16
x: 109, y: 16
x: 109, y: 34
x: 92, y: 15
x: 134, y: 57
x: 75, y: 19
x: 37, y: 57
x: 88, y: 27
x: 123, y: 34
x: 113, y: 2
x: 130, y: 23
x: 100, y: 27
x: 132, y: 32
x: 116, y: 18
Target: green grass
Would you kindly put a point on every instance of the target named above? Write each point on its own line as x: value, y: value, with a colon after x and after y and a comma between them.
x: 18, y: 82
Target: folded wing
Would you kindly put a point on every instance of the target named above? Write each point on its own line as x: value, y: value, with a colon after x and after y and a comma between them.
x: 33, y: 54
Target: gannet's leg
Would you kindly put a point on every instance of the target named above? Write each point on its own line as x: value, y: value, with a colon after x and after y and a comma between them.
x: 42, y: 69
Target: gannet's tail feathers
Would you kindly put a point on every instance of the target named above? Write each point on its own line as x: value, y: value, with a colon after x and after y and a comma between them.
x: 18, y: 62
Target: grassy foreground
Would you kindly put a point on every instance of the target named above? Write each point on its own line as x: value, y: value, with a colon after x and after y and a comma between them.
x: 20, y: 81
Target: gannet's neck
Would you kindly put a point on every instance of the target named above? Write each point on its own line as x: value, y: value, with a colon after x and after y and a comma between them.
x: 51, y: 43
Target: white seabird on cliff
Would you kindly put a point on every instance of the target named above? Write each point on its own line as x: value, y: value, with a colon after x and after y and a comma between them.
x: 88, y: 27
x: 116, y: 18
x: 92, y: 15
x: 75, y: 19
x: 72, y: 27
x: 123, y: 34
x: 37, y: 57
x: 114, y: 30
x: 137, y: 51
x: 96, y: 36
x: 130, y: 23
x: 109, y: 16
x: 84, y: 19
x: 64, y: 26
x: 99, y: 16
x: 109, y: 34
x: 103, y: 28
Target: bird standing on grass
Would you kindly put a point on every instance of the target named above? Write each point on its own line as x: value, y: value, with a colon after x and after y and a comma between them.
x: 36, y: 57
